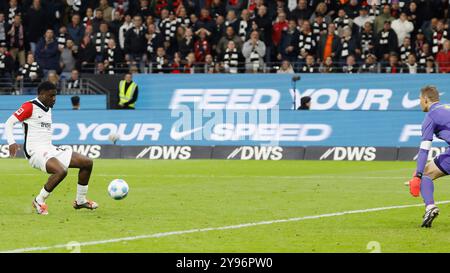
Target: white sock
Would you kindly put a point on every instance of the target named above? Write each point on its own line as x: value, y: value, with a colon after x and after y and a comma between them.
x: 81, y: 194
x: 42, y: 196
x: 430, y: 207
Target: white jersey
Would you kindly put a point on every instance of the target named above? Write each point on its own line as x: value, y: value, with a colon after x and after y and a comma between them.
x: 37, y: 125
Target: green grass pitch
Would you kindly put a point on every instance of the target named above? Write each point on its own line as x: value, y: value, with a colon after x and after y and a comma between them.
x: 167, y: 196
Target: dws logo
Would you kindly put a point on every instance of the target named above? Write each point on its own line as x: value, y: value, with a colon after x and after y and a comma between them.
x: 350, y: 153
x: 433, y: 152
x: 166, y: 152
x: 257, y: 153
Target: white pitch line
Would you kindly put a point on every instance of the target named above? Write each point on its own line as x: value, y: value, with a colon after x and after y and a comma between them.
x: 234, y: 176
x: 171, y: 233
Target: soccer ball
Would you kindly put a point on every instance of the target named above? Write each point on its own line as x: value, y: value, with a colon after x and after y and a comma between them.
x: 118, y: 189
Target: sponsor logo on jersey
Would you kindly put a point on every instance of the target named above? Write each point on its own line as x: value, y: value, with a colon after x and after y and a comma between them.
x: 166, y: 152
x: 350, y: 153
x: 257, y: 153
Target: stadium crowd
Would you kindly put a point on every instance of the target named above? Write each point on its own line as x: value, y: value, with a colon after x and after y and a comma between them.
x: 63, y: 38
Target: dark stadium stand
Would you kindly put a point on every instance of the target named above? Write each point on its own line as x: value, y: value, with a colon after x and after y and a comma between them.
x: 218, y: 36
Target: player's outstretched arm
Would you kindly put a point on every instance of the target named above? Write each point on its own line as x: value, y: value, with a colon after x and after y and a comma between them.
x: 9, y: 125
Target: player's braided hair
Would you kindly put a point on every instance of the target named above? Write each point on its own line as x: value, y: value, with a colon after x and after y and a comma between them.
x: 430, y: 92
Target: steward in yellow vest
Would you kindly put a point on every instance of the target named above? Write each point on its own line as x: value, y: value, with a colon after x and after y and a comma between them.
x: 128, y: 93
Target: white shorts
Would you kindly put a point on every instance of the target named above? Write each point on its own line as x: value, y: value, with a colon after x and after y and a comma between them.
x: 38, y: 158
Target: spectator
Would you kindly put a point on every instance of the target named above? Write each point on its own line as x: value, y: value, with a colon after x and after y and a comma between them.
x: 402, y: 27
x: 319, y: 27
x: 367, y: 40
x: 35, y: 24
x: 75, y: 102
x: 310, y: 65
x: 135, y: 43
x: 348, y: 45
x: 62, y: 37
x: 73, y: 84
x: 154, y: 40
x: 285, y: 68
x: 86, y: 54
x: 47, y: 53
x: 30, y: 74
x: 405, y: 49
x: 235, y: 5
x: 352, y: 9
x: 244, y: 25
x: 329, y: 44
x: 106, y: 10
x: 53, y: 78
x: 342, y: 22
x: 254, y: 51
x: 443, y: 58
x: 128, y: 93
x: 186, y: 45
x: 101, y: 40
x: 279, y: 26
x: 3, y: 28
x: 305, y: 103
x: 363, y: 17
x: 202, y: 46
x: 386, y: 41
x: 419, y: 42
x: 380, y: 20
x: 100, y: 69
x: 229, y: 36
x: 6, y: 66
x: 286, y: 48
x: 305, y: 43
x: 424, y: 54
x: 210, y: 65
x: 115, y: 24
x: 189, y: 66
x: 168, y: 25
x: 430, y: 66
x: 183, y: 18
x: 370, y: 64
x: 440, y: 35
x: 217, y: 32
x: 76, y: 29
x: 68, y: 58
x: 328, y: 66
x: 232, y: 21
x: 393, y: 66
x: 89, y: 18
x: 17, y: 40
x: 113, y: 57
x: 302, y: 11
x: 204, y: 21
x: 98, y: 19
x: 411, y: 66
x: 176, y: 66
x: 350, y: 66
x: 160, y: 62
x: 264, y: 24
x: 127, y: 24
x: 232, y: 59
x: 13, y: 10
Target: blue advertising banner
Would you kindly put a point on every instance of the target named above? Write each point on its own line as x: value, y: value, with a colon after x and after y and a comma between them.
x: 220, y: 127
x: 266, y: 91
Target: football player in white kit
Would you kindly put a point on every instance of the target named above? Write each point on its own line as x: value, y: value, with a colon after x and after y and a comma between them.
x: 36, y: 118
